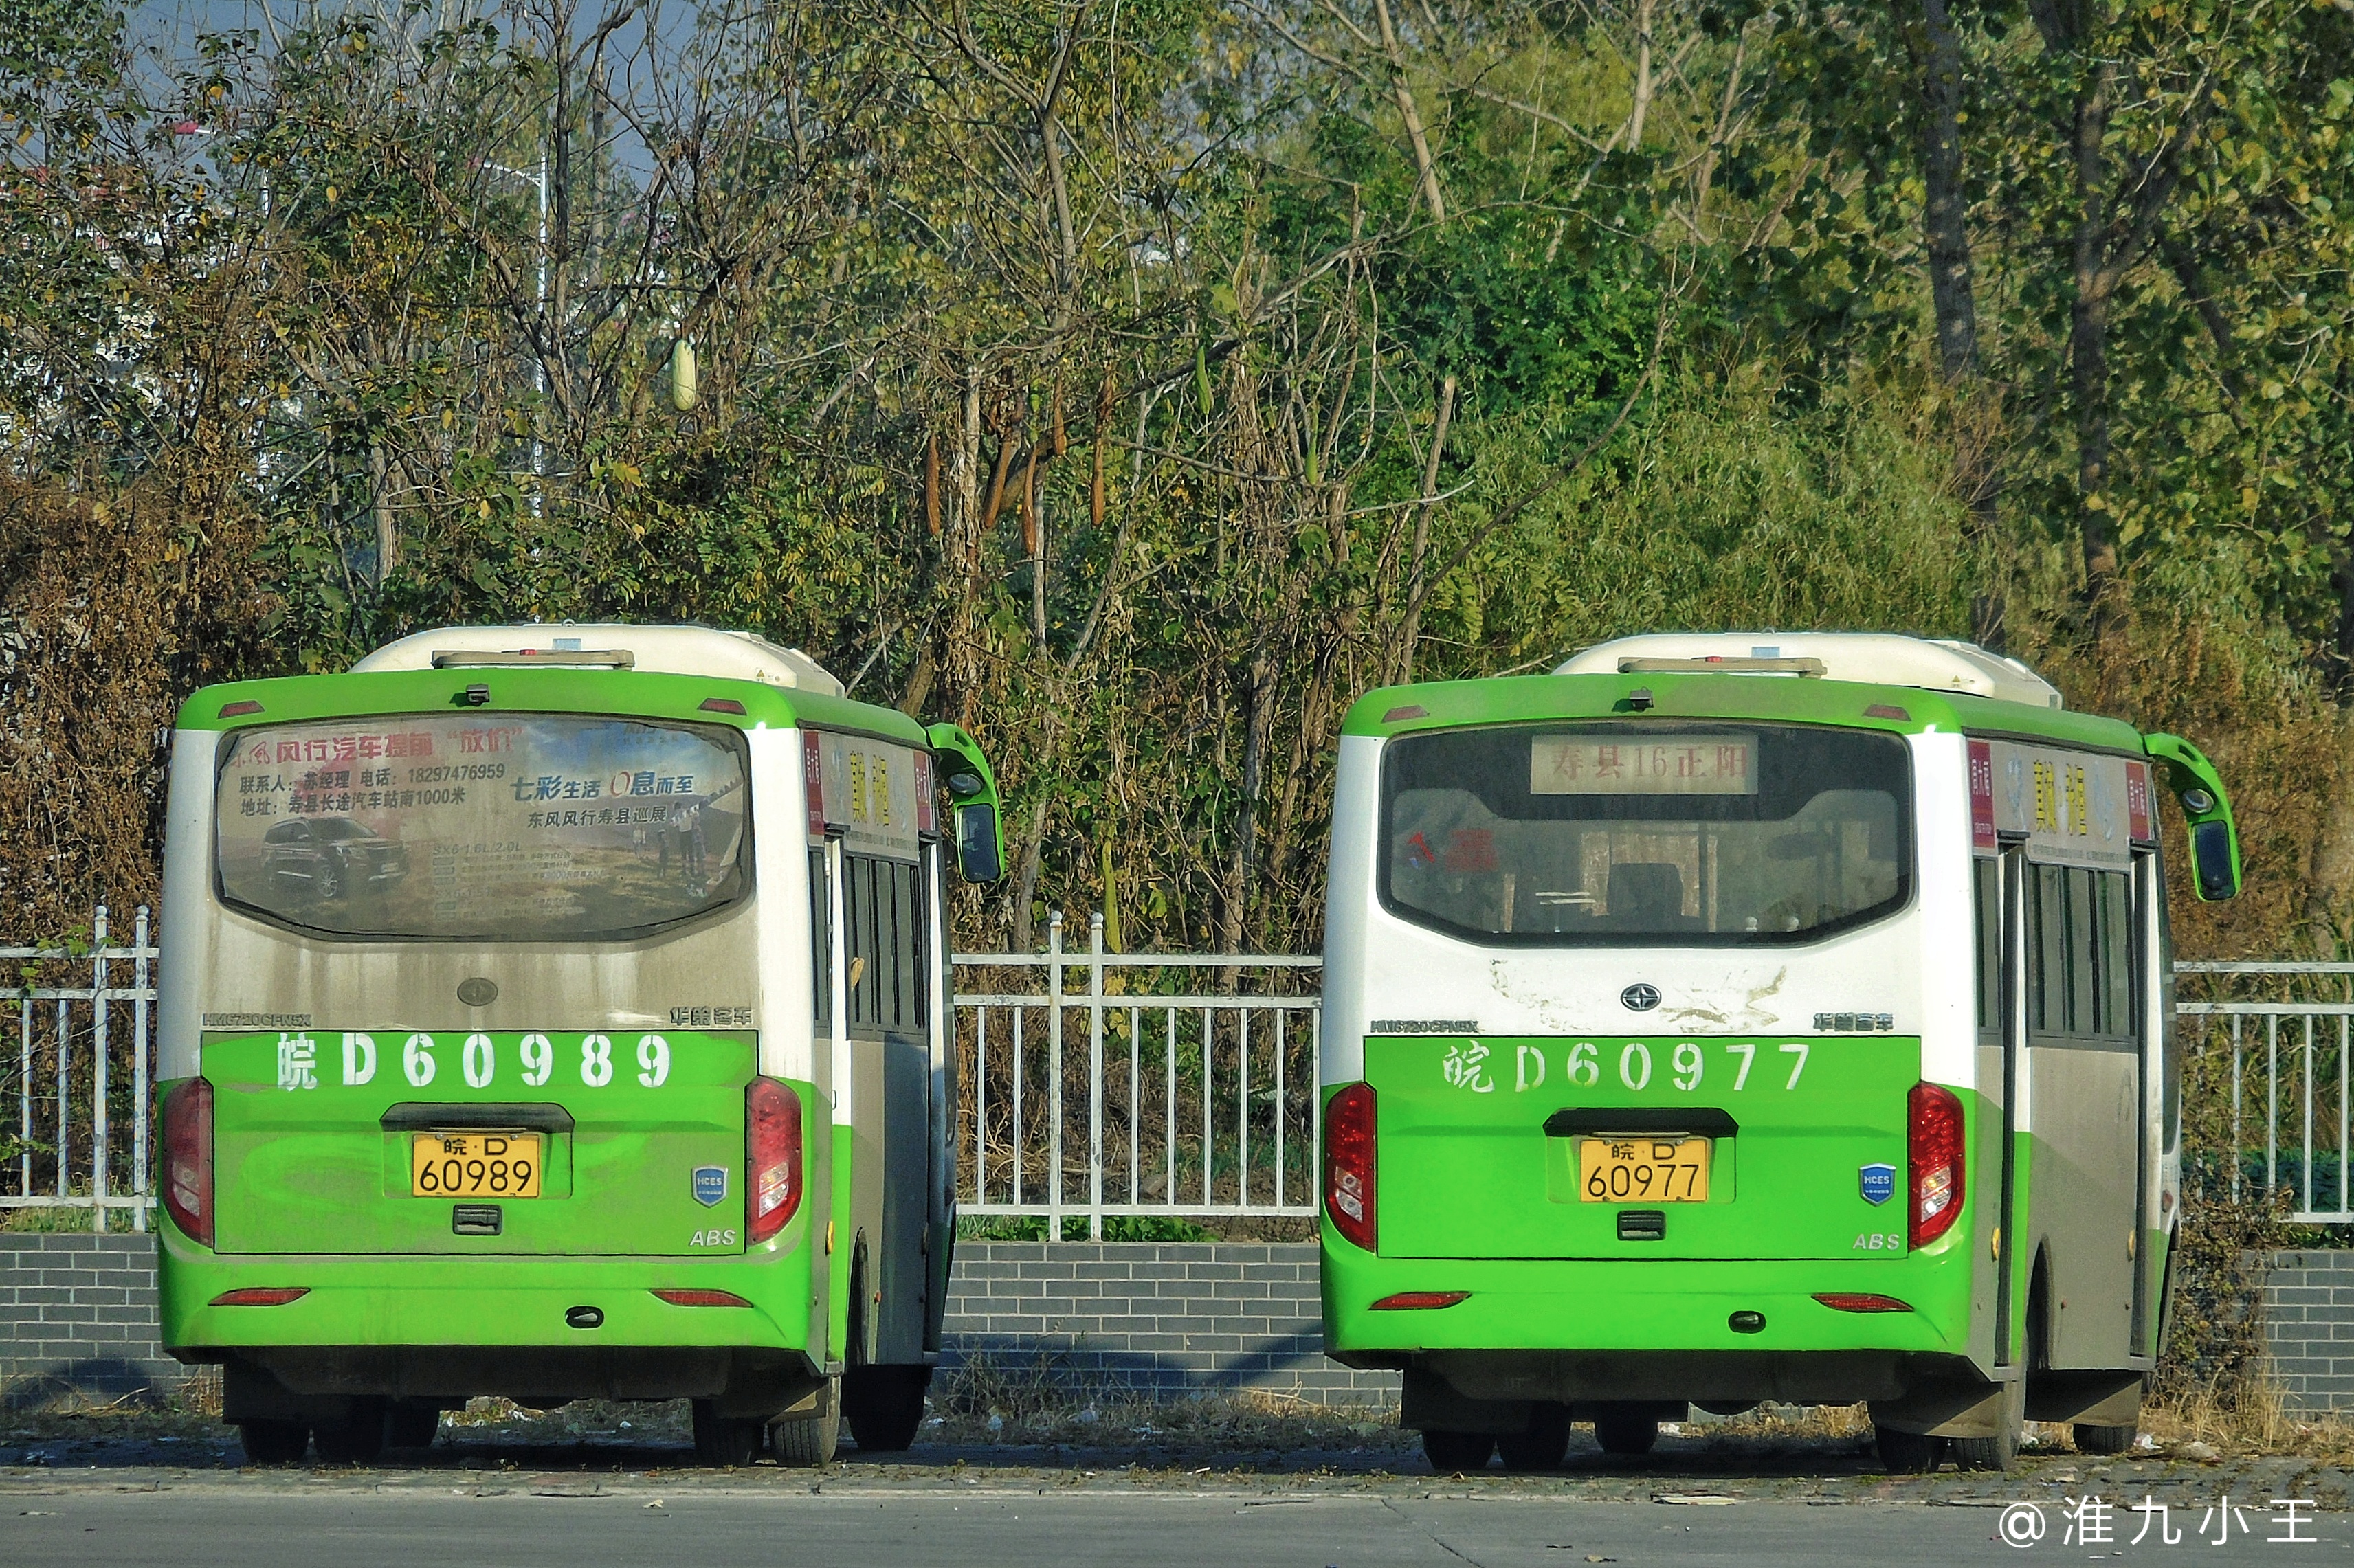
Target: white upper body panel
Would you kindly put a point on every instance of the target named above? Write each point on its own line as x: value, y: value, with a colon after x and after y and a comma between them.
x: 1916, y: 965
x: 1877, y: 658
x: 664, y: 649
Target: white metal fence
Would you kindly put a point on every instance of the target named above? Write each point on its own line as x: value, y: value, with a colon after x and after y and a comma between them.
x: 2274, y: 1038
x: 72, y: 1051
x: 1102, y: 1086
x: 1197, y: 1100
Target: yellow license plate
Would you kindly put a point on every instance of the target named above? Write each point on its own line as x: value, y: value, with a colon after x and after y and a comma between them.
x: 474, y: 1164
x: 1642, y: 1168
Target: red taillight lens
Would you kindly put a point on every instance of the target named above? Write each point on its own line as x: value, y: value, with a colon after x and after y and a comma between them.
x: 262, y: 1296
x: 1419, y: 1300
x: 188, y: 1159
x: 1936, y: 1146
x: 1860, y: 1301
x: 772, y: 1147
x: 703, y: 1298
x: 1348, y: 1163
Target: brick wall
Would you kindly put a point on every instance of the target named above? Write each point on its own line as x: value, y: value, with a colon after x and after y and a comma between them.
x: 2309, y: 1327
x: 1156, y: 1318
x: 78, y: 1318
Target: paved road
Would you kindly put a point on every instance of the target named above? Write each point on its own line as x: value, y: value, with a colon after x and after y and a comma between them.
x: 857, y: 1527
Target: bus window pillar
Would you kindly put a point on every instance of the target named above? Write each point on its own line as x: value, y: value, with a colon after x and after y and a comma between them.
x: 838, y: 982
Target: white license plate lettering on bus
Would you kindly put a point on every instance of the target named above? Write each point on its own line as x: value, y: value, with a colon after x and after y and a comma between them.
x: 1643, y: 1169
x: 474, y: 1164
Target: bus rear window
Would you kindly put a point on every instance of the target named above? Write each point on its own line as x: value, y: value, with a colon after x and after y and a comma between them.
x: 1653, y: 832
x: 480, y: 828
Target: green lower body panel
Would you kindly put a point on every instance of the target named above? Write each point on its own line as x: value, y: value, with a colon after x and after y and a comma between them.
x: 1701, y: 1330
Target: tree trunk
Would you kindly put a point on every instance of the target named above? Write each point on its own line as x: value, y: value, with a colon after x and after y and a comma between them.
x: 2088, y: 337
x: 1937, y: 61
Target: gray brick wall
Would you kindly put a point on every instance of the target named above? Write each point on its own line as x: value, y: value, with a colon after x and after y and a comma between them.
x: 78, y: 1318
x: 2309, y: 1327
x: 1159, y: 1320
x: 1154, y: 1319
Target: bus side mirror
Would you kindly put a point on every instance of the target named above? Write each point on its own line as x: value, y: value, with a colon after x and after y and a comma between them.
x: 980, y: 850
x: 2214, y: 836
x: 973, y: 804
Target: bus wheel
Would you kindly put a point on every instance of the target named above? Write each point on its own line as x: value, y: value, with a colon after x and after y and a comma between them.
x: 727, y: 1442
x: 1452, y: 1453
x: 885, y: 1404
x: 357, y: 1439
x: 1540, y: 1447
x: 1624, y: 1433
x: 809, y: 1442
x: 2091, y: 1439
x: 273, y: 1441
x: 407, y: 1426
x: 1908, y: 1453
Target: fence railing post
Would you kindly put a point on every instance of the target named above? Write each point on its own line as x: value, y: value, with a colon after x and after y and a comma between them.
x: 139, y: 1073
x: 98, y: 1054
x: 1054, y: 1074
x: 1094, y: 1074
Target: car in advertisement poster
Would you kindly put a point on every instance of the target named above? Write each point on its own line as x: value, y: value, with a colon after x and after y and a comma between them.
x: 328, y: 857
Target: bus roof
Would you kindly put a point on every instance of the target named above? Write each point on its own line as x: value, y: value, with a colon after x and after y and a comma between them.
x: 667, y: 649
x: 1880, y: 658
x: 1679, y: 694
x: 649, y: 671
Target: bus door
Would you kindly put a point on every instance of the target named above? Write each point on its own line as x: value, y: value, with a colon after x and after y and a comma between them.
x: 880, y: 961
x: 1998, y: 886
x: 2087, y: 1108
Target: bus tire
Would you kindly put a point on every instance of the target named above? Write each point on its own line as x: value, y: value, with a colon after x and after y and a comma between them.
x: 407, y: 1426
x: 1541, y: 1445
x: 1997, y: 1452
x: 357, y: 1439
x: 1908, y: 1453
x: 273, y: 1441
x: 2092, y: 1439
x: 1457, y: 1453
x: 1625, y: 1433
x: 725, y: 1442
x: 809, y: 1442
x: 885, y: 1405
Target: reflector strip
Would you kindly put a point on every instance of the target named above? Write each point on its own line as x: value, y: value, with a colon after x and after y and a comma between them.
x: 1419, y: 1300
x: 1859, y: 1302
x: 238, y: 710
x: 703, y: 1298
x: 721, y: 706
x: 262, y: 1296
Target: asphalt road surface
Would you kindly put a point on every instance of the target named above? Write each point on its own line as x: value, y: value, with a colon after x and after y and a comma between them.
x: 856, y: 1528
x: 173, y: 1491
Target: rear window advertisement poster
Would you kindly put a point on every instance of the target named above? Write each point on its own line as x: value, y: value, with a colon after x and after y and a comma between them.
x: 473, y: 826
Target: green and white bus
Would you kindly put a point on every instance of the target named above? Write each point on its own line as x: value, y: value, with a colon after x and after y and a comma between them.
x: 561, y: 1011
x: 1733, y: 1018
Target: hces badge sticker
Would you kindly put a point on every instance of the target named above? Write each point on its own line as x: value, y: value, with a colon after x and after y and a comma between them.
x: 710, y: 1184
x: 1878, y: 1182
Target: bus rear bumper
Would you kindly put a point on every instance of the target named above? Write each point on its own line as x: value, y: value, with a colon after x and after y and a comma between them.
x: 317, y: 1383
x: 1730, y: 1330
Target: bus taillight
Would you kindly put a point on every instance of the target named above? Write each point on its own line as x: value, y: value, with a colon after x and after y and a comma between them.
x: 1936, y: 1146
x: 1348, y: 1163
x: 188, y: 1159
x: 772, y: 1148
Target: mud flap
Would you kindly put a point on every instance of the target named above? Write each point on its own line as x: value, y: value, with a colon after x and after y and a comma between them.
x: 2095, y: 1398
x: 1956, y: 1410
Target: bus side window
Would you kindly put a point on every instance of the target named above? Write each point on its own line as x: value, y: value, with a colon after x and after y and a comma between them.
x: 2113, y: 899
x: 820, y: 942
x: 881, y: 909
x: 2083, y: 949
x: 1985, y: 884
x: 2047, y: 952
